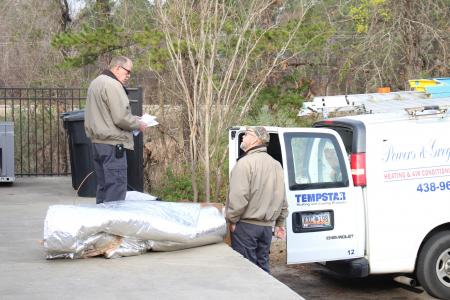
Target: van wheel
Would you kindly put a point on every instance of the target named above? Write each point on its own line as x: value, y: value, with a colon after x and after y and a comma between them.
x: 433, y: 266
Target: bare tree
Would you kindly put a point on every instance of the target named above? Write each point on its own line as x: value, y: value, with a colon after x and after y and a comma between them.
x: 28, y: 59
x: 213, y: 47
x: 403, y: 40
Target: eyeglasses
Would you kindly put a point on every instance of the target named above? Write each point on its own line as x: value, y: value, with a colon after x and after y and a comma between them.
x: 128, y: 71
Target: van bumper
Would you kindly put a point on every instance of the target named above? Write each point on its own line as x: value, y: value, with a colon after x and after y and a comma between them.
x: 354, y: 268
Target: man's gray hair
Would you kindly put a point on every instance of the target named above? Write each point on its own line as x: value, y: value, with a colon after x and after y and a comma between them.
x: 118, y: 61
x: 261, y: 133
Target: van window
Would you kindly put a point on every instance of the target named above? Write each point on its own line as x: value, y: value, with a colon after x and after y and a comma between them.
x: 314, y: 161
x: 346, y: 136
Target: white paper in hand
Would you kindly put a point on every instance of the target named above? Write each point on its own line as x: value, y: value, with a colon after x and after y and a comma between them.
x: 148, y: 120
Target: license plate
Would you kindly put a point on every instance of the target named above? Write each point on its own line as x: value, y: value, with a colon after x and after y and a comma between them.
x: 317, y: 220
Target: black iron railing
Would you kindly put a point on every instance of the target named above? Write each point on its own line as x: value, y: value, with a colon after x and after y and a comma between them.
x: 39, y: 136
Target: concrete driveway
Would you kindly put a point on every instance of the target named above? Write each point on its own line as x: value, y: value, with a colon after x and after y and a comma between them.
x: 209, y: 272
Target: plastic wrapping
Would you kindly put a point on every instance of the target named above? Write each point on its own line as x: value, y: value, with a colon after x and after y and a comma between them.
x: 126, y: 228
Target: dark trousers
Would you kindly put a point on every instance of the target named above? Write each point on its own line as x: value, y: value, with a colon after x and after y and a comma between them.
x: 253, y: 242
x: 111, y: 173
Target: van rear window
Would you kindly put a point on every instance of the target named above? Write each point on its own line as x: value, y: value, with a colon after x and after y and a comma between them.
x: 314, y: 161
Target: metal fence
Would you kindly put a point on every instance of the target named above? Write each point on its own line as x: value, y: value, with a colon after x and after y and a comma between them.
x: 40, y: 139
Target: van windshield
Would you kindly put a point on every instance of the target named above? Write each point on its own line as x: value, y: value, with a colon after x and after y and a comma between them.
x: 314, y: 161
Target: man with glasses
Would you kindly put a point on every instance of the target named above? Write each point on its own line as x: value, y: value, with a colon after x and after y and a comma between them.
x: 257, y: 199
x: 109, y: 125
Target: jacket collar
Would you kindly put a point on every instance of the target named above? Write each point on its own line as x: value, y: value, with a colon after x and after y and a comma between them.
x: 259, y: 148
x: 110, y: 74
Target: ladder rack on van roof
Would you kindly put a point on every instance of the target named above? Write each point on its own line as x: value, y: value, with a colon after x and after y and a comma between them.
x: 415, y: 112
x: 370, y: 103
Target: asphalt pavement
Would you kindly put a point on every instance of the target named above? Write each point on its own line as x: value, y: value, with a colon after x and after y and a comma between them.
x: 208, y: 272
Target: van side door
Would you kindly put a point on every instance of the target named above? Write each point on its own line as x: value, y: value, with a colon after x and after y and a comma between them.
x: 326, y: 212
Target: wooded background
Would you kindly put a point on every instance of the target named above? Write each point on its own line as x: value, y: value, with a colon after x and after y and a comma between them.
x: 207, y: 65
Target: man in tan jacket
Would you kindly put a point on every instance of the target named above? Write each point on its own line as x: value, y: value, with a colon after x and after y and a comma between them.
x: 109, y: 125
x: 257, y: 199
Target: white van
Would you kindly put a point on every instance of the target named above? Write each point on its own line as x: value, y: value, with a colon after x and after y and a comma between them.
x: 368, y: 194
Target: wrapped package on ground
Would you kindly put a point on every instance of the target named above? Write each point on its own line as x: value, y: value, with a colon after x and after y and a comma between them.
x: 125, y: 228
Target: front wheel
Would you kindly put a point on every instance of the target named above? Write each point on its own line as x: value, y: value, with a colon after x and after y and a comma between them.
x: 433, y: 266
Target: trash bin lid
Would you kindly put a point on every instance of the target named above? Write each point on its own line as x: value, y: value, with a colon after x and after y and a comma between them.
x: 70, y: 116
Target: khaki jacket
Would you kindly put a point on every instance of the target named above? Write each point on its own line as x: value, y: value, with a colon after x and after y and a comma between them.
x: 108, y: 118
x: 257, y: 194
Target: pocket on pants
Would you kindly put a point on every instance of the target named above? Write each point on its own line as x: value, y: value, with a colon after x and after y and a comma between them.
x: 119, y: 176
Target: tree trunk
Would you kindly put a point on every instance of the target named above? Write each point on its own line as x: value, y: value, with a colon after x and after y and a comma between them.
x: 65, y: 15
x: 411, y: 38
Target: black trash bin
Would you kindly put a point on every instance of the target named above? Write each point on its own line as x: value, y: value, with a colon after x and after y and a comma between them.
x: 80, y: 151
x: 81, y: 158
x: 135, y: 159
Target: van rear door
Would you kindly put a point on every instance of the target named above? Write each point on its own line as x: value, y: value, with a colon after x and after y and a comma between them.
x: 326, y: 211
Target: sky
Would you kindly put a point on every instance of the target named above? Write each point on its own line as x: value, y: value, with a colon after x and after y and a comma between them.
x: 75, y: 6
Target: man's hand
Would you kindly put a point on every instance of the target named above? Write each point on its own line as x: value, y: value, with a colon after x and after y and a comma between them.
x: 232, y: 227
x: 142, y: 126
x: 280, y: 232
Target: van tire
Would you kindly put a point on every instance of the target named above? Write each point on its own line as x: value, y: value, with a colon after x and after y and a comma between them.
x: 433, y: 265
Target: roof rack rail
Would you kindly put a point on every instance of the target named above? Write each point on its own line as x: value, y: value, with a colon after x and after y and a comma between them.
x: 427, y: 110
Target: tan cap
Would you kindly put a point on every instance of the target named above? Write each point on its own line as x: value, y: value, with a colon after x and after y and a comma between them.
x: 260, y: 133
